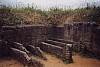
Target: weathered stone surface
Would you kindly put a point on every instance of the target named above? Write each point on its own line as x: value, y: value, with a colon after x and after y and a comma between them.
x: 64, y: 52
x: 36, y: 51
x: 68, y: 50
x: 20, y: 55
x: 52, y: 49
x: 57, y: 43
x: 18, y: 46
x: 31, y: 49
x: 63, y: 40
x: 87, y: 33
x: 39, y: 53
x: 27, y: 35
x: 4, y: 49
x: 23, y: 57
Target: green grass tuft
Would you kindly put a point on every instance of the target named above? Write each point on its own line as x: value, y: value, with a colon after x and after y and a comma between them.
x: 67, y: 61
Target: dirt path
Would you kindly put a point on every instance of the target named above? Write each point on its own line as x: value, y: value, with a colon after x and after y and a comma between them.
x: 9, y: 63
x: 54, y: 62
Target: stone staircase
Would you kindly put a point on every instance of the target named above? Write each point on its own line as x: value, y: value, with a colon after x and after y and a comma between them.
x: 59, y: 47
x: 19, y: 52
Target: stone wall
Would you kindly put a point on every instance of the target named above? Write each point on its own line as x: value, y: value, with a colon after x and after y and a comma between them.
x: 58, y: 32
x: 59, y: 49
x: 33, y: 35
x: 26, y: 35
x: 84, y: 35
x: 4, y: 50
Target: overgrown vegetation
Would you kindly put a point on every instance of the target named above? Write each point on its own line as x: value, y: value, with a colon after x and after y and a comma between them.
x: 87, y: 54
x: 67, y: 61
x: 56, y: 16
x: 7, y: 17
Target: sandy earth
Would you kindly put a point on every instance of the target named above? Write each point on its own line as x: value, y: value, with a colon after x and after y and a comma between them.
x: 10, y: 63
x: 54, y: 62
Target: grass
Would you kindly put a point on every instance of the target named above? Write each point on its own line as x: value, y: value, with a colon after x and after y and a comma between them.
x: 87, y: 55
x: 55, y: 15
x: 67, y: 61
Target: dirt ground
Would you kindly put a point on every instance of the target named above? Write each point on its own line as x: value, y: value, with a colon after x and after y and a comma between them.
x: 54, y: 62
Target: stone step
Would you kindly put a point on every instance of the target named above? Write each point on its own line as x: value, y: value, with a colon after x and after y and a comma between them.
x: 63, y: 52
x: 36, y: 51
x: 51, y: 45
x: 52, y: 49
x: 18, y: 46
x: 56, y: 43
x: 63, y: 41
x: 20, y: 55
